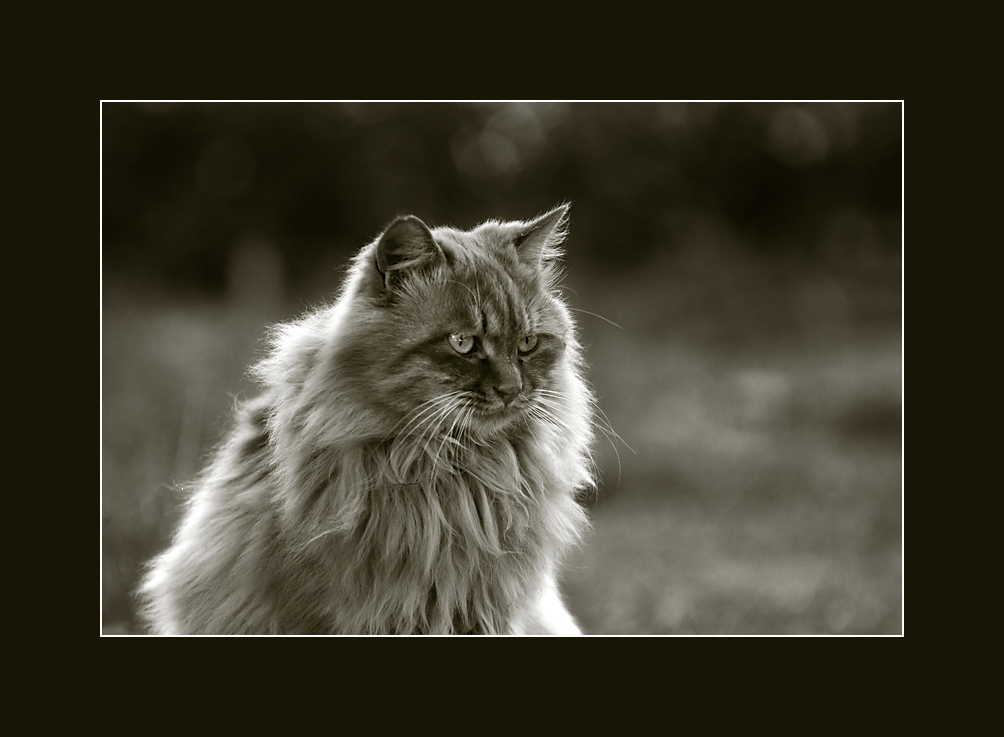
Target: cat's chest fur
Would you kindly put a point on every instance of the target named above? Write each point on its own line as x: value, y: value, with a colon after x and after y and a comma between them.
x: 456, y: 542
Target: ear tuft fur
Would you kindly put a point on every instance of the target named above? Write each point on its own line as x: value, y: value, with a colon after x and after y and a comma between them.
x: 538, y: 242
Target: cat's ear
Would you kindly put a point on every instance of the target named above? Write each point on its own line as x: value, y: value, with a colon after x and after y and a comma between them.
x: 405, y: 247
x: 538, y: 241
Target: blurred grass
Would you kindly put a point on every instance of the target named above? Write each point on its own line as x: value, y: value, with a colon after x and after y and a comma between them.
x: 762, y: 401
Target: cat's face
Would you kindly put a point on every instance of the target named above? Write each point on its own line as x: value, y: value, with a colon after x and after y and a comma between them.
x: 496, y: 341
x: 471, y: 337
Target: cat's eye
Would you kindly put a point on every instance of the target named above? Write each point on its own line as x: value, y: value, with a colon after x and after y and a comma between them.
x: 527, y: 344
x: 462, y: 343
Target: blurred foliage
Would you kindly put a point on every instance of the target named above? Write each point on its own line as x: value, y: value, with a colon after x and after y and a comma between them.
x: 184, y: 184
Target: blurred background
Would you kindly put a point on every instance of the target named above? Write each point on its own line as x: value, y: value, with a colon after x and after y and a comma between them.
x: 737, y: 268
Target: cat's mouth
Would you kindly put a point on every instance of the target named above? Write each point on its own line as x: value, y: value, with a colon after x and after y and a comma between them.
x: 493, y: 416
x: 476, y: 415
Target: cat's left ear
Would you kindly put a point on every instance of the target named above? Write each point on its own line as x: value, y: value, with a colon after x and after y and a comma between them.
x: 538, y: 241
x: 405, y: 247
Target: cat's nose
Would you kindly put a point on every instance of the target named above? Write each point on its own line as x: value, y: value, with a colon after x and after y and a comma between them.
x: 507, y: 392
x: 507, y: 384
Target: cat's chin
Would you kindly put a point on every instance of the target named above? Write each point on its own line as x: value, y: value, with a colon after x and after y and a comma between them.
x: 499, y: 420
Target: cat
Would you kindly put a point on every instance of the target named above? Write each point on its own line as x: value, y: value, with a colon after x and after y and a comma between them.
x: 415, y: 461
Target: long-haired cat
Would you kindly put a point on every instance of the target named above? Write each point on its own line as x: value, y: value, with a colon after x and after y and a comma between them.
x: 413, y: 461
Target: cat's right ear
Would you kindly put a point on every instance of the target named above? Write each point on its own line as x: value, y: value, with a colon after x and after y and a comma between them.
x: 539, y: 240
x: 406, y: 247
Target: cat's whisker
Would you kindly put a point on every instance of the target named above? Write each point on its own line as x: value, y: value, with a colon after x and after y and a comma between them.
x: 423, y: 409
x: 548, y: 408
x: 466, y: 426
x: 416, y: 423
x: 317, y: 537
x: 428, y: 419
x: 609, y: 428
x: 542, y: 415
x: 422, y: 446
x: 576, y: 309
x: 421, y: 423
x: 601, y: 423
x: 605, y: 429
x: 433, y: 430
x: 448, y: 437
x: 552, y: 418
x: 479, y: 438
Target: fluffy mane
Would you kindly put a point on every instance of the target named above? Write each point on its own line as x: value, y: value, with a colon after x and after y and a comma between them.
x: 361, y: 493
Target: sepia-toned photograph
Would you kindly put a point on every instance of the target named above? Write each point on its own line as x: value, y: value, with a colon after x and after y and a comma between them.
x: 517, y: 368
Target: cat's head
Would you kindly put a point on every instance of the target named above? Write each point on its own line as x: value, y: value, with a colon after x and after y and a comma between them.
x: 462, y: 330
